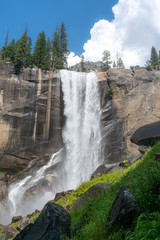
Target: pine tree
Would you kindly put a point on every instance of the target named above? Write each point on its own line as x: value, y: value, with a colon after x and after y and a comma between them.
x: 63, y: 45
x: 40, y: 51
x: 59, y: 48
x: 23, y: 52
x: 9, y: 52
x: 82, y: 63
x: 154, y: 57
x: 56, y: 50
x: 120, y: 63
x: 48, y: 54
x: 159, y: 57
x: 114, y: 64
x: 106, y: 60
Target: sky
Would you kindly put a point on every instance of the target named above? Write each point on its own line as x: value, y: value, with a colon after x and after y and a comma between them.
x: 127, y: 28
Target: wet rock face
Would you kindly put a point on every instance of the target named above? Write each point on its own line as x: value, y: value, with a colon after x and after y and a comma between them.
x: 30, y: 116
x: 37, y: 190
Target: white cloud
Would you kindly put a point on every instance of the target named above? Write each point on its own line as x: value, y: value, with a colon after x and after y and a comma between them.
x: 135, y: 28
x: 72, y: 59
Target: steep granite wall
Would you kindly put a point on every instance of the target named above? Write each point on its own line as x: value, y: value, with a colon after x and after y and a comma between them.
x: 30, y: 116
x: 135, y: 103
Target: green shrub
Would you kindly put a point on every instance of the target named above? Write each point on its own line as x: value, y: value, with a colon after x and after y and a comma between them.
x: 147, y: 227
x: 109, y: 94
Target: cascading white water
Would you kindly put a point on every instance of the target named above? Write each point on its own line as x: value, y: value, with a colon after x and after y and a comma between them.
x: 82, y: 131
x: 81, y: 153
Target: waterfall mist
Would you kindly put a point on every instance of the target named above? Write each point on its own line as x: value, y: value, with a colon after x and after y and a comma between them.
x: 81, y: 153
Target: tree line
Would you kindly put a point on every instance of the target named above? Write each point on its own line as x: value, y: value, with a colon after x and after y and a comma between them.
x: 46, y: 54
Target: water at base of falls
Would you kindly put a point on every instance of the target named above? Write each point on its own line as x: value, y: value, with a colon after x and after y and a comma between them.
x: 80, y: 155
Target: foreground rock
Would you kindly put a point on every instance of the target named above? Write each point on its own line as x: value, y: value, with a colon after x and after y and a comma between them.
x: 52, y: 224
x: 93, y: 191
x: 124, y: 209
x: 147, y: 134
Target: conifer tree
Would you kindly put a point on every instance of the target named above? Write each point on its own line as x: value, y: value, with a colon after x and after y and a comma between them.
x: 114, y: 64
x: 154, y: 57
x: 59, y: 48
x: 48, y: 54
x: 159, y: 57
x: 63, y: 44
x: 56, y: 49
x: 10, y: 52
x: 82, y: 63
x: 120, y: 63
x: 23, y: 52
x: 40, y: 51
x: 106, y: 60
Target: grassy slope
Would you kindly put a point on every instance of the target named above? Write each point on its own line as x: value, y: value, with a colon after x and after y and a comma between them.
x: 143, y: 180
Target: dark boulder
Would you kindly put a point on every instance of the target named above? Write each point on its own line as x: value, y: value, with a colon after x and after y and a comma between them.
x: 16, y: 219
x: 124, y: 209
x: 91, y: 192
x: 52, y: 224
x: 147, y: 135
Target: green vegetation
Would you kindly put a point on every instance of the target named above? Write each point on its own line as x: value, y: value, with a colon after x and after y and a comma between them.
x: 47, y: 54
x: 154, y: 60
x: 147, y: 227
x: 109, y: 94
x: 59, y: 48
x: 143, y: 180
x: 37, y: 215
x: 82, y: 63
x: 1, y: 232
x: 106, y: 60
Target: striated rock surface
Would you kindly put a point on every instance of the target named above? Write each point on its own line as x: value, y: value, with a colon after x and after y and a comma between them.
x: 30, y: 116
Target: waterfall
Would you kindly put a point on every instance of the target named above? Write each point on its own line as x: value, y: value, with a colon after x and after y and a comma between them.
x: 82, y: 131
x: 81, y: 153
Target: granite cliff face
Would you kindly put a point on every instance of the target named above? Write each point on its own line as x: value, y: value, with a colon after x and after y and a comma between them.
x: 31, y: 114
x: 135, y: 103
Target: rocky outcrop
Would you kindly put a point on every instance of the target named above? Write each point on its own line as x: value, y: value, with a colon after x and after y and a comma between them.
x: 124, y: 209
x: 30, y: 116
x: 147, y: 134
x: 53, y: 223
x: 89, y: 66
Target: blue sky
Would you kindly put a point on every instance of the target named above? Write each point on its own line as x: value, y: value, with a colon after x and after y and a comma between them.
x: 129, y: 28
x: 79, y: 17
